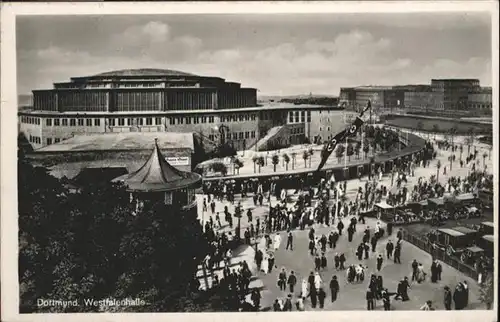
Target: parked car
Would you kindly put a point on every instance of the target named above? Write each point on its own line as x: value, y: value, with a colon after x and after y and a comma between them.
x: 452, y: 241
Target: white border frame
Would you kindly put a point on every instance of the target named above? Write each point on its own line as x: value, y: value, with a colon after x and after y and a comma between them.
x: 9, y: 225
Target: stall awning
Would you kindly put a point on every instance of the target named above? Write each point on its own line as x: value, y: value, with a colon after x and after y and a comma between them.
x: 436, y: 201
x: 450, y: 232
x: 383, y: 205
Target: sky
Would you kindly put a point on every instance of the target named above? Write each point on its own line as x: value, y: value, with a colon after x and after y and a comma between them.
x: 287, y: 54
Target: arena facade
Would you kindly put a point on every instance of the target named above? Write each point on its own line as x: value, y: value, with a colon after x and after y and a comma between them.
x: 161, y: 100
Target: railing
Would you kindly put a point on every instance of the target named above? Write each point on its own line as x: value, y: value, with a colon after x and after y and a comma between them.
x: 440, y: 254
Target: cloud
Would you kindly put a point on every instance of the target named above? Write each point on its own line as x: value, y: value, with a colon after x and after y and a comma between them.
x: 315, y: 65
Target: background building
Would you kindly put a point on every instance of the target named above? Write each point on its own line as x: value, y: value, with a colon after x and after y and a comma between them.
x: 158, y: 100
x: 380, y: 96
x: 454, y: 93
x: 481, y: 100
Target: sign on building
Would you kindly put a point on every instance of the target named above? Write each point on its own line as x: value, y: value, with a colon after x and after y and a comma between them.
x: 176, y: 161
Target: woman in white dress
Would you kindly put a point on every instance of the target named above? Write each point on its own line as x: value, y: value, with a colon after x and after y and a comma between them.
x: 277, y: 241
x: 420, y: 273
x: 318, y: 282
x: 305, y: 287
x: 265, y: 264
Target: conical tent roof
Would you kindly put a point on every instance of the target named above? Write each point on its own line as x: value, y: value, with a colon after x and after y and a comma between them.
x: 158, y: 175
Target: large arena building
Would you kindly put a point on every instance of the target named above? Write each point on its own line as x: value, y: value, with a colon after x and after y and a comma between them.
x: 160, y: 100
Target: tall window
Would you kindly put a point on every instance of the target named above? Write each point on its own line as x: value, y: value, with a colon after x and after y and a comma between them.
x: 88, y: 122
x: 172, y: 120
x: 80, y: 122
x: 121, y: 121
x: 210, y: 119
x: 308, y: 116
x: 188, y: 120
x: 97, y: 122
x: 149, y: 121
x: 302, y: 116
x: 49, y: 141
x: 111, y: 122
x: 296, y: 116
x: 290, y: 117
x: 48, y: 122
x: 158, y: 121
x: 64, y: 122
x: 72, y: 122
x: 57, y: 122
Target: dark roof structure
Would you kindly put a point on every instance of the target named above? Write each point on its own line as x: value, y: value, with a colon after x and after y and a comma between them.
x: 143, y: 72
x: 158, y: 175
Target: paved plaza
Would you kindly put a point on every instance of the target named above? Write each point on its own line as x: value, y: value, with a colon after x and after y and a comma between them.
x: 352, y: 296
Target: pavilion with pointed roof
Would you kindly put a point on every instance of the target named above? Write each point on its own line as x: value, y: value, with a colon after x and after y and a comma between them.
x: 158, y: 180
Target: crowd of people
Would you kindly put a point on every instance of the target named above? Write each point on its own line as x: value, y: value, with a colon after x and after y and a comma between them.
x: 326, y: 205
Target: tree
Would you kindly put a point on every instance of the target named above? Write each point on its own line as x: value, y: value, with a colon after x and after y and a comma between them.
x: 286, y: 158
x: 311, y: 153
x: 219, y: 167
x: 275, y: 161
x: 305, y: 156
x: 357, y: 148
x: 339, y: 151
x: 91, y: 245
x: 438, y: 166
x: 435, y: 129
x: 255, y: 159
x: 487, y: 291
x: 470, y: 139
x: 294, y: 158
x: 350, y: 151
x: 260, y: 162
x: 238, y: 164
x: 453, y: 132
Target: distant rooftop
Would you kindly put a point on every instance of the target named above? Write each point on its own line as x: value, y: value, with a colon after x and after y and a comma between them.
x: 143, y: 72
x: 121, y: 142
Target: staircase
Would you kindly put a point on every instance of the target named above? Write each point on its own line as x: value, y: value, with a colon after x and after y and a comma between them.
x: 274, y: 132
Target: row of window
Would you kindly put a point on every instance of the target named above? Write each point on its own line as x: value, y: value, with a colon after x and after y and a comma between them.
x: 299, y: 117
x: 35, y: 139
x: 236, y: 135
x: 236, y: 118
x: 191, y: 120
x: 297, y: 130
x: 30, y: 120
x: 480, y: 105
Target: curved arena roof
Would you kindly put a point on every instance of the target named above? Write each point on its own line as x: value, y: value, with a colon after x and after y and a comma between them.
x: 143, y: 72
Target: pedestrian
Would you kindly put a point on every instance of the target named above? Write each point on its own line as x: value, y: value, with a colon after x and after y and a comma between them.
x: 466, y: 293
x: 299, y: 304
x: 323, y: 261
x: 311, y: 246
x: 282, y: 280
x: 336, y: 259
x: 342, y: 261
x: 370, y: 299
x: 292, y: 281
x: 340, y: 226
x: 389, y: 247
x: 397, y: 254
x: 321, y: 298
x: 288, y: 303
x: 414, y: 268
x: 427, y: 306
x: 380, y: 260
x: 447, y: 298
x: 350, y: 233
x: 289, y: 242
x: 317, y: 263
x: 434, y: 271
x: 374, y: 243
x: 439, y: 270
x: 334, y: 288
x: 276, y: 306
x: 313, y: 295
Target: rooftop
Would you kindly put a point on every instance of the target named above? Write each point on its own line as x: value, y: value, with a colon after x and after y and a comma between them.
x: 158, y: 175
x: 122, y: 141
x: 143, y: 72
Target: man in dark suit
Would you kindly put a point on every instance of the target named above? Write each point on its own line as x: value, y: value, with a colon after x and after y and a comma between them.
x: 370, y: 299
